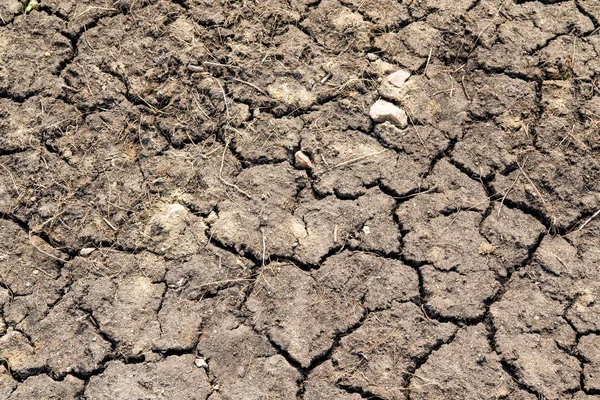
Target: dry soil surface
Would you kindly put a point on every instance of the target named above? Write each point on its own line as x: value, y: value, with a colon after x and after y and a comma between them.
x: 161, y: 239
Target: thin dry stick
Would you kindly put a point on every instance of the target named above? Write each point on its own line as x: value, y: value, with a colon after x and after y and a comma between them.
x: 150, y: 105
x: 432, y: 382
x: 357, y: 159
x: 236, y: 187
x: 418, y: 135
x: 200, y: 108
x: 462, y: 80
x: 46, y: 253
x: 568, y: 135
x: 142, y: 99
x: 431, y: 189
x: 109, y: 224
x: 452, y: 220
x: 532, y: 184
x: 428, y: 60
x: 92, y: 9
x: 508, y: 191
x: 189, y: 137
x: 485, y: 28
x: 87, y: 83
x: 589, y: 219
x: 224, y: 98
x: 226, y: 281
x: 348, y: 82
x: 252, y: 85
x: 325, y: 78
x: 264, y: 246
x: 219, y: 64
x: 425, y: 313
x: 12, y: 178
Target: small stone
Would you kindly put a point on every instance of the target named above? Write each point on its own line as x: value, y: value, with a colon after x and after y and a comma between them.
x: 383, y: 68
x: 398, y: 78
x: 47, y: 54
x: 212, y: 218
x: 372, y: 56
x: 383, y: 111
x: 303, y: 161
x: 86, y: 251
x: 486, y: 248
x: 292, y: 94
x: 201, y: 363
x: 35, y: 272
x: 366, y: 230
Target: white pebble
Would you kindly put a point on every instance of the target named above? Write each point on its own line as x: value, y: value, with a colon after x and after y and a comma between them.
x: 303, y: 161
x: 398, y: 78
x: 86, y: 251
x: 383, y: 111
x: 201, y: 363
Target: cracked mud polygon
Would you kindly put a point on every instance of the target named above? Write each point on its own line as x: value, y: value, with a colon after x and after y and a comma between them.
x: 161, y: 236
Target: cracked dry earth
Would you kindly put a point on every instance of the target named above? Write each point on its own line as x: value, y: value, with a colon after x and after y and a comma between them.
x: 159, y: 239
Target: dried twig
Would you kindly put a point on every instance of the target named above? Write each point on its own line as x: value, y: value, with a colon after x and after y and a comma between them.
x: 508, y: 191
x: 485, y: 28
x: 587, y: 221
x: 252, y: 85
x: 408, y: 196
x: 200, y: 108
x: 462, y: 80
x: 428, y: 60
x: 226, y: 281
x: 12, y: 178
x: 220, y: 65
x: 357, y: 159
x: 224, y: 98
x: 418, y: 135
x: 532, y: 184
x: 264, y: 246
x: 109, y: 224
x: 45, y: 253
x: 348, y: 82
x: 236, y: 187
